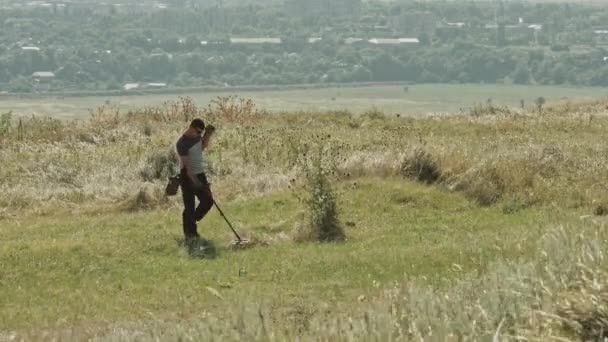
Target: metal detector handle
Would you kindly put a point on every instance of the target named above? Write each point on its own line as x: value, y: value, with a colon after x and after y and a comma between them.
x: 225, y: 219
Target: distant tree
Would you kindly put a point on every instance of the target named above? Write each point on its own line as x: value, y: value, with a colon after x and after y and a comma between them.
x: 192, y: 42
x: 69, y: 71
x: 21, y: 85
x: 5, y: 76
x: 521, y: 74
x: 386, y: 68
x: 73, y: 44
x: 500, y: 35
x: 429, y: 77
x: 540, y: 102
x: 112, y: 84
x: 559, y: 74
x: 183, y: 79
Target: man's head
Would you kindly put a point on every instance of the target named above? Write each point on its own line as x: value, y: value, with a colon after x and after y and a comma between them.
x: 198, y: 125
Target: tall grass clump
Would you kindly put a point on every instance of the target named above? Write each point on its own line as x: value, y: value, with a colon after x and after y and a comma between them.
x: 322, y: 223
x: 420, y: 165
x: 159, y: 165
x: 148, y: 197
x: 5, y: 123
x: 232, y: 109
x: 484, y: 184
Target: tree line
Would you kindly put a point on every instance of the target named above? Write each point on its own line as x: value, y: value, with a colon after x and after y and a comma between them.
x: 105, y: 47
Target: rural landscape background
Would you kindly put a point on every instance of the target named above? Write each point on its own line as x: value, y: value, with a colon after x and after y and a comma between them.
x: 403, y: 170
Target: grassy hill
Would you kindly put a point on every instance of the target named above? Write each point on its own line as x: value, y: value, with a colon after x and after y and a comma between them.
x: 486, y: 225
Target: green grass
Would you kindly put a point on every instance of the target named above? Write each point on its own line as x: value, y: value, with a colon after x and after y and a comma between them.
x: 81, y: 270
x: 497, y: 237
x: 420, y: 99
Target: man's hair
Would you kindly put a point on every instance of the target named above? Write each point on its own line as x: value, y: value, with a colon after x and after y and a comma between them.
x: 197, y: 123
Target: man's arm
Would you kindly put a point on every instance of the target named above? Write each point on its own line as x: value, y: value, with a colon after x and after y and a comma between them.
x: 209, y: 130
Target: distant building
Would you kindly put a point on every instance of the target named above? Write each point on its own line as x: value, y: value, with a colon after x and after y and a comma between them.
x: 517, y: 27
x: 456, y: 25
x: 351, y: 41
x: 155, y: 85
x: 43, y: 80
x: 393, y: 41
x: 331, y: 8
x: 168, y: 55
x: 384, y: 41
x: 409, y: 40
x: 313, y: 40
x: 43, y: 75
x: 600, y: 34
x: 255, y: 40
x: 30, y: 48
x: 132, y: 86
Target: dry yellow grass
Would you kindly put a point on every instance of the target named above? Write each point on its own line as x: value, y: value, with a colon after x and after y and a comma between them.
x: 556, y: 157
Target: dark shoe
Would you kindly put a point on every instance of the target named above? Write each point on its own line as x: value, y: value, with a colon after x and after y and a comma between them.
x: 202, y: 248
x: 190, y: 240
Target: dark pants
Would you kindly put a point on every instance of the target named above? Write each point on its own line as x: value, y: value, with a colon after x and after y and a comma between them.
x: 191, y: 213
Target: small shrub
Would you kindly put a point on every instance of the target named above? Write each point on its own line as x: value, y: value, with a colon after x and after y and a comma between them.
x: 5, y: 123
x: 483, y: 184
x: 600, y: 210
x: 584, y: 311
x: 159, y: 165
x: 148, y: 197
x: 488, y: 109
x: 420, y: 165
x: 147, y: 130
x: 374, y: 114
x: 540, y: 102
x: 513, y: 205
x: 232, y: 109
x: 377, y: 164
x: 321, y: 204
x: 550, y: 160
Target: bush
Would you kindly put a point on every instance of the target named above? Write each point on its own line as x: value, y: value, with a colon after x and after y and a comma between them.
x: 159, y: 165
x: 374, y: 113
x: 420, y: 165
x: 483, y: 184
x: 5, y: 123
x: 232, y: 109
x: 148, y: 197
x: 322, y: 210
x: 514, y: 178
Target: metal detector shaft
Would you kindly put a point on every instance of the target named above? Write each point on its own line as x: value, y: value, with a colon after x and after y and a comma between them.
x: 229, y: 225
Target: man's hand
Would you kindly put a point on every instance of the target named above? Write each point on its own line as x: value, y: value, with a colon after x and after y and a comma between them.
x: 208, y: 190
x: 209, y: 130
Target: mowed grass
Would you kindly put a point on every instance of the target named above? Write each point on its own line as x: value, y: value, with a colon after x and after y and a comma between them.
x: 90, y: 269
x: 418, y: 100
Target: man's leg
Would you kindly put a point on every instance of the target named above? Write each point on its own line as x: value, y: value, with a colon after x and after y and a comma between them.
x: 205, y: 199
x: 189, y: 213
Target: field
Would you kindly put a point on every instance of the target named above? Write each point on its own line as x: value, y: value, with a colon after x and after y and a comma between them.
x: 490, y: 225
x: 419, y: 99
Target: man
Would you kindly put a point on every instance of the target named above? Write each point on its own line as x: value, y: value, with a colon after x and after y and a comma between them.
x: 193, y: 181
